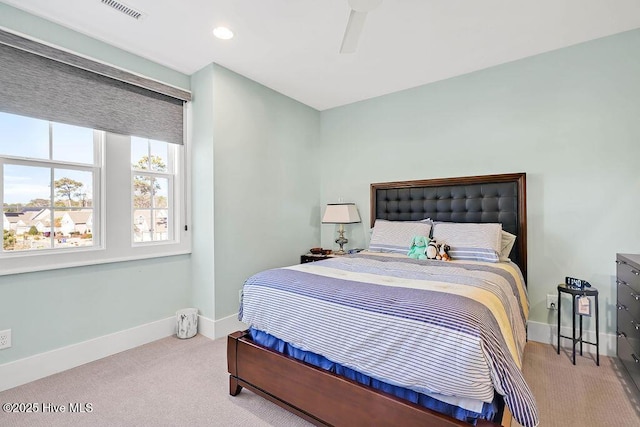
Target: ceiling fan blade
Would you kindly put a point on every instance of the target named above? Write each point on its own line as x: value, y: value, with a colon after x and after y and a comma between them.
x: 353, y: 31
x: 364, y: 5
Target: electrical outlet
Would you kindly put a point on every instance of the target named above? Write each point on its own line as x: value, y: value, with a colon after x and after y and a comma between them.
x: 552, y: 301
x: 5, y: 339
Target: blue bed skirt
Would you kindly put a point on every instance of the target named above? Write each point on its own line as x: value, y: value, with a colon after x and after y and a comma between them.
x: 489, y: 410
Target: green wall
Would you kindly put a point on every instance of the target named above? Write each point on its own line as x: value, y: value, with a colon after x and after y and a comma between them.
x: 201, y: 146
x: 266, y: 182
x: 56, y: 308
x: 255, y: 181
x: 252, y: 153
x: 52, y: 309
x: 567, y: 118
x: 264, y: 166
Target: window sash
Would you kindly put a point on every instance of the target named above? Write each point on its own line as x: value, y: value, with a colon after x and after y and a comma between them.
x: 171, y: 203
x: 96, y: 175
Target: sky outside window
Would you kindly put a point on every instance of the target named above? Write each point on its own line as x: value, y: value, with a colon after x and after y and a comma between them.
x: 143, y: 147
x: 25, y: 183
x: 72, y: 143
x: 29, y: 138
x: 23, y: 136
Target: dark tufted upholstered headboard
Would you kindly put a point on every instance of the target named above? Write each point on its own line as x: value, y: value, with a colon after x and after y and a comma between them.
x: 487, y: 198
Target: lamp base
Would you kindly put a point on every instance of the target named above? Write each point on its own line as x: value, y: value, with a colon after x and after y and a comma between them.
x: 341, y: 240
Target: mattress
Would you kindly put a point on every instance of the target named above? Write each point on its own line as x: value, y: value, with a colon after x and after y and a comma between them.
x: 467, y: 410
x: 453, y: 329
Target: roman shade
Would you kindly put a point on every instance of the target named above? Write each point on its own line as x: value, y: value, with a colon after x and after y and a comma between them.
x: 39, y: 81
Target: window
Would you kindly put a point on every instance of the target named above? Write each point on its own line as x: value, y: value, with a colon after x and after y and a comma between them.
x: 61, y: 191
x: 50, y: 179
x: 152, y: 165
x: 84, y: 176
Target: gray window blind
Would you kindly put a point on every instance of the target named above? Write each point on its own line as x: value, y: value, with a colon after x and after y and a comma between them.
x: 66, y: 88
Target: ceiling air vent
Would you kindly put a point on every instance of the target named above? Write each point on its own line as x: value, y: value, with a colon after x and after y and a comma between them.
x: 123, y: 8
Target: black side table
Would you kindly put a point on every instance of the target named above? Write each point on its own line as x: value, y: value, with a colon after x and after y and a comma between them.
x: 575, y: 293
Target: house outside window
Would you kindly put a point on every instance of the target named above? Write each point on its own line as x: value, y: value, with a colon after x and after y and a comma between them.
x: 50, y: 174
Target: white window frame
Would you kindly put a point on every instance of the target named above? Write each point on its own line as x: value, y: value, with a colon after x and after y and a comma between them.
x: 114, y: 211
x: 172, y: 177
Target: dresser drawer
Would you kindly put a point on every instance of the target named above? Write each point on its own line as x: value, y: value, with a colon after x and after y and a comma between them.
x: 630, y: 360
x: 630, y: 300
x: 629, y: 275
x: 630, y: 329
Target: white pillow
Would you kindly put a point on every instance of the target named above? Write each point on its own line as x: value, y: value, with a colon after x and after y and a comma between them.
x: 396, y: 236
x: 470, y: 241
x: 507, y: 242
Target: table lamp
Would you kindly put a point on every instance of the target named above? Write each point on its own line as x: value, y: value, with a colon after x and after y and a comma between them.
x: 341, y: 213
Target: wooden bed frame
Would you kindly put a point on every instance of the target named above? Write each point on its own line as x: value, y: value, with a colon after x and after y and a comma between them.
x: 326, y: 399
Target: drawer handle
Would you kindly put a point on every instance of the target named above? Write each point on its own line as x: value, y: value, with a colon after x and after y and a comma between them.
x: 620, y: 282
x: 620, y: 262
x: 635, y: 296
x: 635, y: 358
x: 621, y: 307
x: 621, y: 334
x: 636, y: 272
x: 636, y: 325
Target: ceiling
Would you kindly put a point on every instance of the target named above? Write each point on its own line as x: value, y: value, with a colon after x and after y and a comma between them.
x: 292, y: 46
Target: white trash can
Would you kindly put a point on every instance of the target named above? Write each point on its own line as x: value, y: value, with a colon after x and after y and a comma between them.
x: 186, y: 322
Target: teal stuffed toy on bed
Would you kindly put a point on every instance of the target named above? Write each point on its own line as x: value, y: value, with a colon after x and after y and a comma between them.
x: 419, y: 247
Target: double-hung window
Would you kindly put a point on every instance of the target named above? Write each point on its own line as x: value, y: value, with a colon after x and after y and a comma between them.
x: 92, y: 162
x: 51, y: 184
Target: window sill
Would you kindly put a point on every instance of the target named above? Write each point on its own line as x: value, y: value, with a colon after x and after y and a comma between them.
x: 17, y: 269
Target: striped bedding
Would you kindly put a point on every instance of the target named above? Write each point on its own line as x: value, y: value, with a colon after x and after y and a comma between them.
x: 445, y: 328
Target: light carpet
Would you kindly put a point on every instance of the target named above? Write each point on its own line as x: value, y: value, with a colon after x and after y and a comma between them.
x: 581, y: 395
x: 169, y: 382
x: 173, y: 382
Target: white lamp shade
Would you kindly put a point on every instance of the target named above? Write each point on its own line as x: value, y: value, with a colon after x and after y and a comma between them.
x: 341, y: 213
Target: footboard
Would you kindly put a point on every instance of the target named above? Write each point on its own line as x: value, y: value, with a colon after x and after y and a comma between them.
x: 319, y: 396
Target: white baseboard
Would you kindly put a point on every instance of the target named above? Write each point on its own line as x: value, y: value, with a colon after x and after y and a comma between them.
x: 206, y: 327
x: 548, y: 334
x: 219, y: 328
x: 42, y: 365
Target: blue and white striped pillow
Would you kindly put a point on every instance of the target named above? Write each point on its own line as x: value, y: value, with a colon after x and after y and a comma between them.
x: 396, y: 236
x: 470, y: 241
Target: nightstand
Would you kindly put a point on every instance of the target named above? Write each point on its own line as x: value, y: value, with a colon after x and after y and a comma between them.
x: 313, y: 258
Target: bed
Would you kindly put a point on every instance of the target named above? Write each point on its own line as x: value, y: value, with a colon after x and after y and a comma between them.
x: 378, y: 337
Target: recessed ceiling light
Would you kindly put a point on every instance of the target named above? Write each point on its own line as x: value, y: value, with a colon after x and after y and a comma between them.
x: 223, y: 33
